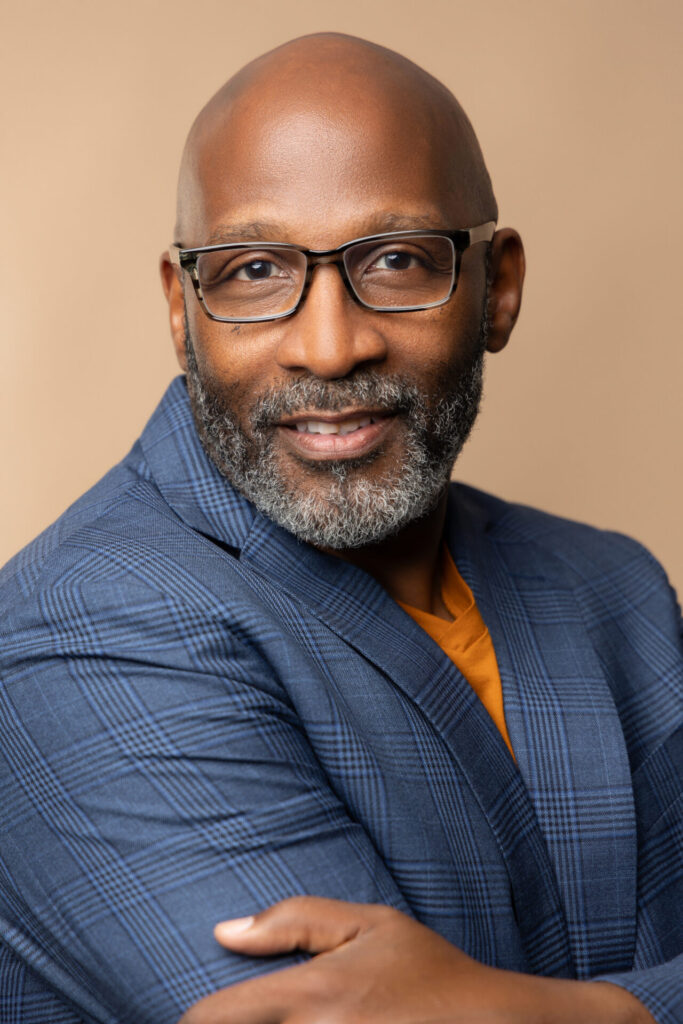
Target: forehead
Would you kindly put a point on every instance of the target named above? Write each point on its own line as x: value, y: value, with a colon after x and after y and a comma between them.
x: 325, y: 169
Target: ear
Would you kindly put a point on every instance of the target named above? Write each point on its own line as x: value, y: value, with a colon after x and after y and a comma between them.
x: 505, y: 290
x: 173, y: 290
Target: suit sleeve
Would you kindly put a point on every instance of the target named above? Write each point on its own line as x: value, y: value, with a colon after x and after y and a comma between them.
x: 660, y: 989
x: 658, y: 796
x: 25, y: 998
x: 155, y: 779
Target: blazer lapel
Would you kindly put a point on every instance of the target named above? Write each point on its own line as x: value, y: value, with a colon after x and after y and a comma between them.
x: 354, y: 605
x: 187, y: 479
x: 565, y: 732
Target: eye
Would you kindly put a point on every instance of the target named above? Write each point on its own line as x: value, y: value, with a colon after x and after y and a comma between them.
x: 257, y: 270
x: 396, y: 260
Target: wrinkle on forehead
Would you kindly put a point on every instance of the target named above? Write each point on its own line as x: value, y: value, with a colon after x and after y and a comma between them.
x: 295, y: 102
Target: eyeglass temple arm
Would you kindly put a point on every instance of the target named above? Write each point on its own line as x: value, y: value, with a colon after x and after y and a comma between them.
x: 483, y: 232
x: 174, y: 252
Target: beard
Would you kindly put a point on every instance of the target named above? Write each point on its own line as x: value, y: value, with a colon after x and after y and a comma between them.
x: 338, y: 504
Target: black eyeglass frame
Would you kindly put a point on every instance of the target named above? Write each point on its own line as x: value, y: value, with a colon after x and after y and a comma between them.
x: 461, y: 239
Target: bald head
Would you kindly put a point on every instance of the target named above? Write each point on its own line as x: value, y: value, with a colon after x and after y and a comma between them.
x: 313, y: 109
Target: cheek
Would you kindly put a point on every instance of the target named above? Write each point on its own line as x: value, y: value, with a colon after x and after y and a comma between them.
x: 232, y: 354
x: 436, y: 342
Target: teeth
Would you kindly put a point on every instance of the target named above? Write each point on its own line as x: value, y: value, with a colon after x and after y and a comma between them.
x: 351, y: 425
x: 320, y: 427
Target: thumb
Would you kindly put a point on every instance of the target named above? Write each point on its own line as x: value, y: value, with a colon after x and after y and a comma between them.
x: 310, y: 923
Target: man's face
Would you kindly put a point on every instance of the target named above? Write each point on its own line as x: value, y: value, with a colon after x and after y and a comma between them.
x: 340, y: 423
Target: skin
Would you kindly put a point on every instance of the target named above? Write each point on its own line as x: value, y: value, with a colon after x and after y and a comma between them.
x: 324, y: 140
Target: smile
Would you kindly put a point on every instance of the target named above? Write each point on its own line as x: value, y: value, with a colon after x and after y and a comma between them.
x: 322, y: 427
x: 335, y: 435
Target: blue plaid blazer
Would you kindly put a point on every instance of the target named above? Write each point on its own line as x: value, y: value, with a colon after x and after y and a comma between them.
x: 201, y: 715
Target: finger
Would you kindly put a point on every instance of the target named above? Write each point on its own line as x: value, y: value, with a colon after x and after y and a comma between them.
x: 303, y: 922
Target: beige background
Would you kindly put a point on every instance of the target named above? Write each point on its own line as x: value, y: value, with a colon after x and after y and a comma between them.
x: 578, y: 107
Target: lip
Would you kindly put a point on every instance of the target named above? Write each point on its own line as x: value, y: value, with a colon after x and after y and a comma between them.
x: 351, y: 412
x: 319, y: 447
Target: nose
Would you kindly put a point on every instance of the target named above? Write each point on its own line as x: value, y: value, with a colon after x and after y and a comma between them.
x: 330, y: 335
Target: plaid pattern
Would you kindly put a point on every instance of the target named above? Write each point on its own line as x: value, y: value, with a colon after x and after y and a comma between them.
x: 200, y: 716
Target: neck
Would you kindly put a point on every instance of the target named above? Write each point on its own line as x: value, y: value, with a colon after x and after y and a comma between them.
x: 407, y: 565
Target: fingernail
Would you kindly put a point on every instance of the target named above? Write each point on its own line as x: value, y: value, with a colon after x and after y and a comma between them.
x: 226, y: 929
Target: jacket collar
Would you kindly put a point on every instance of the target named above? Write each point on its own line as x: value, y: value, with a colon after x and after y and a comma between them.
x: 187, y: 479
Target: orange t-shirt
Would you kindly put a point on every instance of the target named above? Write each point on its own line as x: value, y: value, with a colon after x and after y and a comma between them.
x: 466, y: 640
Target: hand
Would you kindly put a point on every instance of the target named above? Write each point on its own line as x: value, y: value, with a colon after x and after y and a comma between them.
x: 377, y: 966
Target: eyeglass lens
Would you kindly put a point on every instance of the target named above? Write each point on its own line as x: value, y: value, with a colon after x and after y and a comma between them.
x: 252, y: 282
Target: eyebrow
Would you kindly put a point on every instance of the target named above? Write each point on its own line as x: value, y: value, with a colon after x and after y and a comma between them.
x: 254, y: 230
x: 377, y: 224
x: 404, y: 222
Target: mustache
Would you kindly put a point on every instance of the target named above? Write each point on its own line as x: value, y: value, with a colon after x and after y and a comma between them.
x: 387, y: 393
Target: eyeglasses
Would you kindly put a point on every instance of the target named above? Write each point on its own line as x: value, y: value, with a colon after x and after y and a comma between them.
x: 395, y: 272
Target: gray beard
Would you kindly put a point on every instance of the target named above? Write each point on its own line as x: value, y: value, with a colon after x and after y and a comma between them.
x: 345, y: 507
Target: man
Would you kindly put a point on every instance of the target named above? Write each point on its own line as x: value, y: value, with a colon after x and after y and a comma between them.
x: 273, y: 655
